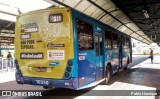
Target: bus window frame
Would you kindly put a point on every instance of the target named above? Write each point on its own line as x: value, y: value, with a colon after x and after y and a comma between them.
x: 109, y: 39
x: 124, y: 42
x: 123, y: 39
x: 127, y: 44
x: 116, y: 40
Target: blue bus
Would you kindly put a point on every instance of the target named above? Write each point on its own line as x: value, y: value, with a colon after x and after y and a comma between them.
x: 63, y: 48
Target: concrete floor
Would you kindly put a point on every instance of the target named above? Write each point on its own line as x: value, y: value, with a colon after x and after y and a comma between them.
x: 7, y: 76
x: 140, y: 77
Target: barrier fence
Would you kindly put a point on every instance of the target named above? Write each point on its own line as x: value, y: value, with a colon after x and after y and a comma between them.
x: 7, y: 64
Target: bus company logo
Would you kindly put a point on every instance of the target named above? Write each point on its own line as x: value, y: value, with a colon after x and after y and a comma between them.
x: 49, y: 31
x: 6, y: 93
x: 98, y: 28
x: 56, y: 55
x: 82, y: 57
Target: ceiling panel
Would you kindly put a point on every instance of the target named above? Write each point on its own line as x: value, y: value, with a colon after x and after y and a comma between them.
x: 90, y: 10
x: 82, y: 6
x: 71, y: 3
x: 97, y: 13
x: 144, y: 13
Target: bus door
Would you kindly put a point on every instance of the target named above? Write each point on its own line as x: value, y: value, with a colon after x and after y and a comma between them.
x: 120, y: 51
x: 124, y: 51
x: 86, y: 53
x: 99, y: 56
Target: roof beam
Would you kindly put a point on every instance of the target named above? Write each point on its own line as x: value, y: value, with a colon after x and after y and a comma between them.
x: 117, y: 9
x: 113, y: 16
x: 7, y: 42
x: 155, y: 12
x: 6, y: 37
x: 106, y: 13
x: 61, y: 3
x: 147, y: 9
x: 139, y: 4
x: 8, y: 13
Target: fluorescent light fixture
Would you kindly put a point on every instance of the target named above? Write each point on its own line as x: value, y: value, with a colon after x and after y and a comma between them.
x: 153, y: 37
x: 146, y: 14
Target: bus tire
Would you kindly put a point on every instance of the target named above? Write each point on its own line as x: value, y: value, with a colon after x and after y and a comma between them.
x: 108, y: 74
x: 125, y: 68
x: 45, y: 87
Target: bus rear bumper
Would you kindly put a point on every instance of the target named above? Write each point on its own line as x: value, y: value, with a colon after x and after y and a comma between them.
x: 71, y: 83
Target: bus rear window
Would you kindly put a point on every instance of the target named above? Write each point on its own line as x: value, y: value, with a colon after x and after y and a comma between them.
x: 85, y: 35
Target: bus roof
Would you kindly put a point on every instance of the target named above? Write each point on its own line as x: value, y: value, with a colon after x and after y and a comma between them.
x: 42, y: 10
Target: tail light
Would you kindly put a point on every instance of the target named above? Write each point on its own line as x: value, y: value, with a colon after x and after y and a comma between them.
x: 68, y: 69
x: 70, y: 63
x: 67, y: 74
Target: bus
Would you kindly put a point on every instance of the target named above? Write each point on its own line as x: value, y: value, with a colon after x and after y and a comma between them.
x: 63, y: 48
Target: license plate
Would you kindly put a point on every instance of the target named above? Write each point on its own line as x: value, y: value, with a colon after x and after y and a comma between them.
x: 41, y: 69
x: 41, y: 82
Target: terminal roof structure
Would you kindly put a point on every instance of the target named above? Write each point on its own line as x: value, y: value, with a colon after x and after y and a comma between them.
x: 136, y: 18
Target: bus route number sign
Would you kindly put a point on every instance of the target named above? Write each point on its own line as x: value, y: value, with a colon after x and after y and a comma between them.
x: 55, y: 18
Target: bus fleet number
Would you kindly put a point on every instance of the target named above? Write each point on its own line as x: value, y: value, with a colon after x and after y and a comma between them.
x: 42, y: 82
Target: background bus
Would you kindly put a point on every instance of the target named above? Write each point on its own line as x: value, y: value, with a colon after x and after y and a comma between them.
x: 63, y: 48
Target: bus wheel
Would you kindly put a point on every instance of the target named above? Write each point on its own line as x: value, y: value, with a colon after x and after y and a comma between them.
x: 45, y: 87
x: 108, y: 74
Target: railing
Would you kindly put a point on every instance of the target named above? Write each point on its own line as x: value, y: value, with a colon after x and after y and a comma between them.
x: 7, y: 64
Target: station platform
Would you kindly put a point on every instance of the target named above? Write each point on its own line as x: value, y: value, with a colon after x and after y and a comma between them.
x: 141, y: 75
x: 145, y: 72
x: 139, y: 78
x: 6, y: 76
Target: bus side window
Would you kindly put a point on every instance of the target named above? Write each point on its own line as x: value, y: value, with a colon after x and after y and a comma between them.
x: 101, y: 45
x: 127, y: 42
x: 98, y: 41
x: 108, y: 39
x: 85, y: 35
x: 123, y: 41
x: 114, y: 40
